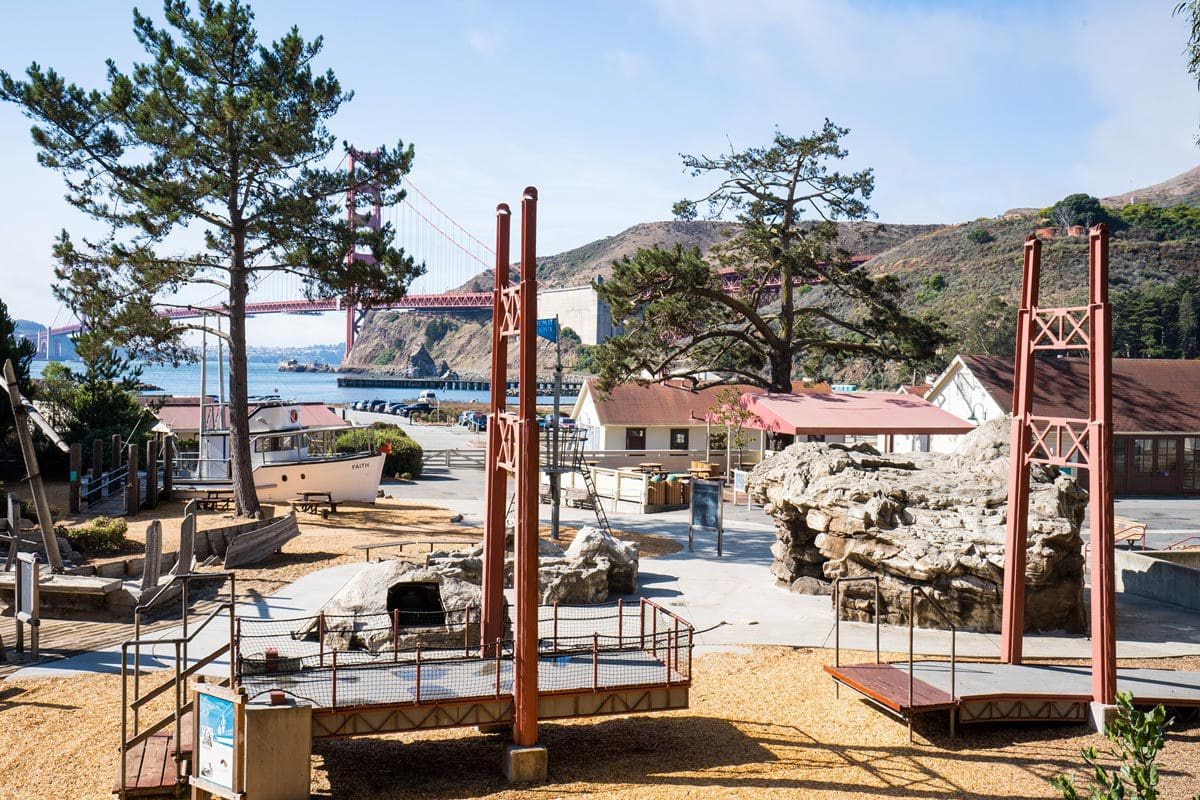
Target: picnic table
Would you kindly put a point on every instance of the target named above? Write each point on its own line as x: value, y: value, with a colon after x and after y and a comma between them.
x: 215, y: 500
x: 314, y: 503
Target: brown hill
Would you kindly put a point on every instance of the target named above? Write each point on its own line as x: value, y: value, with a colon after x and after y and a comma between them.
x: 1183, y: 189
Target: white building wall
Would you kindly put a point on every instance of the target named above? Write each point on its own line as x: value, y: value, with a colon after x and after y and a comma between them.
x: 963, y: 396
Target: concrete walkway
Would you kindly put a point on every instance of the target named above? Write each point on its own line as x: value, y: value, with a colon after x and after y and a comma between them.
x: 299, y: 599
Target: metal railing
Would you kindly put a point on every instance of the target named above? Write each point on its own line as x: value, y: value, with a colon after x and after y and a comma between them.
x: 1179, y: 545
x: 837, y: 616
x: 471, y: 458
x: 912, y: 616
x: 182, y: 670
x: 582, y: 648
x: 95, y: 490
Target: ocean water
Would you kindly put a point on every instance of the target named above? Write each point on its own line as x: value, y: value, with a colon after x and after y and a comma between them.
x: 265, y: 379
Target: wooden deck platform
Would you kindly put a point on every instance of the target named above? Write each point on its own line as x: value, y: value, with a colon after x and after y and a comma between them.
x: 150, y: 766
x: 992, y: 692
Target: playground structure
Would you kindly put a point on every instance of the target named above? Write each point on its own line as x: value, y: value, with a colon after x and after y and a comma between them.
x: 288, y: 684
x: 1011, y: 690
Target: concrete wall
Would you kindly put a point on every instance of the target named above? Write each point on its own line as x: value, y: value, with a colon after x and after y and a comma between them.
x: 579, y: 309
x: 1144, y: 575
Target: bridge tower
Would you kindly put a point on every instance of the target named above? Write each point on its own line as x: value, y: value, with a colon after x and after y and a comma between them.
x: 365, y: 183
x: 1065, y: 442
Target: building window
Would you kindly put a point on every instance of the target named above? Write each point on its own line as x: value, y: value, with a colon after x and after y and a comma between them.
x: 679, y: 438
x: 635, y: 438
x: 1120, y: 448
x: 1143, y: 456
x: 1164, y: 456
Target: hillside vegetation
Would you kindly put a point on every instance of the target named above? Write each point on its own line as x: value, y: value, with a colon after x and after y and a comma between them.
x: 967, y: 274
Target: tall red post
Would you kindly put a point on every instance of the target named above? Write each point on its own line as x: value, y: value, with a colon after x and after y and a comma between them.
x: 497, y: 476
x: 1100, y: 475
x: 1012, y: 623
x: 525, y: 556
x: 1065, y: 442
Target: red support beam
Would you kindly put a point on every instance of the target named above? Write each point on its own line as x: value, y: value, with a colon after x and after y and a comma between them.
x: 525, y: 556
x: 1012, y: 620
x: 496, y: 492
x: 1100, y: 476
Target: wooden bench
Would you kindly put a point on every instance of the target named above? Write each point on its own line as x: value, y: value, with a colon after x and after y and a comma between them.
x: 1129, y: 530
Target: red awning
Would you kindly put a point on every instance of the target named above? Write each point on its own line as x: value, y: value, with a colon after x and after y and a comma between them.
x: 858, y: 413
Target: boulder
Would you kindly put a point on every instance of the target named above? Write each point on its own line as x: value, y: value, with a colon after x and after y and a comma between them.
x: 595, y: 566
x: 933, y: 520
x: 357, y: 617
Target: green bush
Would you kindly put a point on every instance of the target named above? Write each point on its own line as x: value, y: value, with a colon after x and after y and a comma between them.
x: 405, y: 455
x: 101, y: 535
x: 980, y: 236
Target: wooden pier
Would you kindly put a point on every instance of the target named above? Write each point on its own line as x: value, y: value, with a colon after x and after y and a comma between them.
x: 545, y: 385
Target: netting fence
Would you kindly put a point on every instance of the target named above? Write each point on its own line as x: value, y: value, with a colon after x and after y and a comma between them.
x: 415, y: 656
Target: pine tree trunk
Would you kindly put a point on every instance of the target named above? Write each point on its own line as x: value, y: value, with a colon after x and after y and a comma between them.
x: 244, y: 494
x: 781, y: 373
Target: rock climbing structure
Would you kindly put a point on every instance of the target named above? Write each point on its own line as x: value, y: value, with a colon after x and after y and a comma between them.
x: 933, y: 520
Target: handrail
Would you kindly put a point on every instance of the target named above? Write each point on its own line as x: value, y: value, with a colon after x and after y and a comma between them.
x: 837, y: 614
x: 912, y: 603
x: 1182, y: 542
x: 187, y: 673
x: 182, y: 670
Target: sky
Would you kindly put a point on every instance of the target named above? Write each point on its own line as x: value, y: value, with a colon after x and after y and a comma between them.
x: 962, y: 109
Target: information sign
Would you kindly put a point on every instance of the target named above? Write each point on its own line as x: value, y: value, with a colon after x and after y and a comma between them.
x: 707, y: 511
x: 217, y: 761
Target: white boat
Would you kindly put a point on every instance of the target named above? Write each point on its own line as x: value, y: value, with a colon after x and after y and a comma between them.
x: 288, y: 459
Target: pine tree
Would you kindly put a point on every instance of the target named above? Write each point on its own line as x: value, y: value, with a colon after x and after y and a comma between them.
x: 1187, y: 324
x: 219, y: 136
x: 21, y: 352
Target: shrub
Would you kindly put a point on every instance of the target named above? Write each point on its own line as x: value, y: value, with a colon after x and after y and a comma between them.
x: 101, y: 535
x: 980, y: 236
x: 1136, y: 737
x: 403, y: 453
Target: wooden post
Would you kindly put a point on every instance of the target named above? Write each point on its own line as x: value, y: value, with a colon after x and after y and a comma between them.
x: 133, y: 501
x: 152, y: 473
x: 34, y: 475
x: 74, y: 476
x: 168, y: 451
x: 116, y: 451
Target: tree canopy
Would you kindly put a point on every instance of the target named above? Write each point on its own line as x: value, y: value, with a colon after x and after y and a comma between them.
x: 21, y: 352
x: 779, y: 294
x: 208, y: 165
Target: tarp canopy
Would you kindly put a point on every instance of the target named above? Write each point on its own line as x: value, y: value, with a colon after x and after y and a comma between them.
x: 856, y: 413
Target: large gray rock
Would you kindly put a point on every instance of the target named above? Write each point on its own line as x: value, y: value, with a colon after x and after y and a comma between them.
x: 595, y: 566
x: 357, y: 616
x: 932, y: 520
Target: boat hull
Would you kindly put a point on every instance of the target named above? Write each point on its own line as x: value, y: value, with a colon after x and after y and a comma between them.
x: 353, y: 479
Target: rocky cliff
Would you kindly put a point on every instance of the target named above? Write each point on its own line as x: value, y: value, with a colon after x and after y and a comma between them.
x: 930, y: 520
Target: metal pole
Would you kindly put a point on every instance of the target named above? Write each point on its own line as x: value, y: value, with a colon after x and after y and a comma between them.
x: 912, y: 595
x: 202, y: 457
x: 418, y: 672
x: 876, y: 619
x: 620, y: 624
x: 124, y: 707
x: 555, y: 476
x: 395, y: 635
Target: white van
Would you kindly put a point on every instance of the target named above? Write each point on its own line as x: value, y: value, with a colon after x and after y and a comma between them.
x: 427, y: 396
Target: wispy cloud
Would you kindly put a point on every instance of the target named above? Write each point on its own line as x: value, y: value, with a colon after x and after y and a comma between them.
x: 486, y: 42
x: 627, y: 63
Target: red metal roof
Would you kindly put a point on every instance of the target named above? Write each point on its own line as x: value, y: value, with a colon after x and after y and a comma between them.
x: 858, y: 413
x: 1160, y: 395
x: 670, y: 403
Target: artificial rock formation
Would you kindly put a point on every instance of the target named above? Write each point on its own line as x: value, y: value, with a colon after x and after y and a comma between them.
x: 594, y: 566
x: 933, y: 520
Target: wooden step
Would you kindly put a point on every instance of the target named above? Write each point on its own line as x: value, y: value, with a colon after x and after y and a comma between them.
x: 150, y: 766
x: 888, y: 686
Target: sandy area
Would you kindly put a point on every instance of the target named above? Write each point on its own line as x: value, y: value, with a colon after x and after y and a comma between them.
x: 762, y: 724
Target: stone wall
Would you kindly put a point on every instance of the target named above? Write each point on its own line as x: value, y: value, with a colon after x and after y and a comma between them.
x: 932, y: 520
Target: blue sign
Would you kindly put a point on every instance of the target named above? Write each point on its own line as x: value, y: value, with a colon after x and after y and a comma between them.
x: 214, y: 750
x: 548, y: 329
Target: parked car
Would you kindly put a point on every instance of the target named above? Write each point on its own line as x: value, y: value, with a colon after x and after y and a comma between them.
x: 377, y: 406
x: 544, y: 421
x: 394, y: 408
x: 419, y: 407
x: 477, y: 421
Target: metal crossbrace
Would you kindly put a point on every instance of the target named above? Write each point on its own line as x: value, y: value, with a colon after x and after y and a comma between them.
x: 999, y: 709
x: 1062, y: 328
x: 1059, y: 441
x: 510, y: 307
x: 508, y: 427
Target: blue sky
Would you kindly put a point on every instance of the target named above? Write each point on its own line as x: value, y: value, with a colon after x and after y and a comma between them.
x: 963, y: 109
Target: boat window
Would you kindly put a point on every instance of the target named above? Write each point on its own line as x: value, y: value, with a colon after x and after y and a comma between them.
x: 274, y: 444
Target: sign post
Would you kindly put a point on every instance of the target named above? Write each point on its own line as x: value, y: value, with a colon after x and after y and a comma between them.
x: 707, y: 512
x: 217, y: 732
x: 27, y: 608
